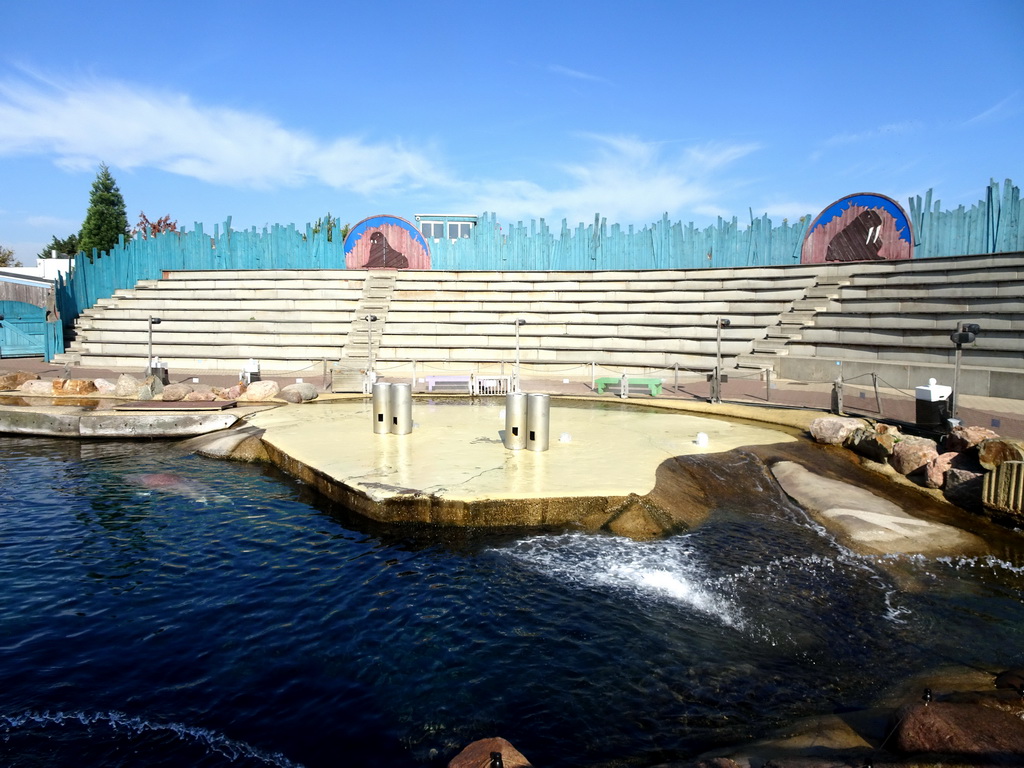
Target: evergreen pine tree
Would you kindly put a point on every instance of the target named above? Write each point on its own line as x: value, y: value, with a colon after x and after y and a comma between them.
x: 106, y: 218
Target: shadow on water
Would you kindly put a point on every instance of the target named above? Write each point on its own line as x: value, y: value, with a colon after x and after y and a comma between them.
x: 260, y: 624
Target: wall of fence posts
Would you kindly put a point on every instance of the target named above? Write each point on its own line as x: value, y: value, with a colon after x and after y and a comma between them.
x: 990, y: 226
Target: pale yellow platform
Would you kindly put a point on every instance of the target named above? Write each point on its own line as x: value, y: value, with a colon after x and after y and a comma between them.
x: 455, y: 450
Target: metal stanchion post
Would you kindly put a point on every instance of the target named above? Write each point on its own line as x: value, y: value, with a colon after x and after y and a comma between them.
x: 716, y: 385
x: 149, y: 354
x: 518, y: 322
x: 837, y: 396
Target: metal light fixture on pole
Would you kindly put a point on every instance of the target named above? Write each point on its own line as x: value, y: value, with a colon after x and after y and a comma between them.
x: 965, y: 333
x: 518, y: 322
x: 149, y: 352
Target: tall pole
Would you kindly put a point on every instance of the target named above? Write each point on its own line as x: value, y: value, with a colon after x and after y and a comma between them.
x: 369, y: 341
x: 518, y: 322
x: 149, y: 350
x: 965, y: 333
x: 716, y: 384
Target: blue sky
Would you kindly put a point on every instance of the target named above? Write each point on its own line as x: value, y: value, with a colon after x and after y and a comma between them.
x: 277, y: 113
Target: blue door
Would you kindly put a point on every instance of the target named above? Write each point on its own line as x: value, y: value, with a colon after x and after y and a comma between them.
x: 22, y: 330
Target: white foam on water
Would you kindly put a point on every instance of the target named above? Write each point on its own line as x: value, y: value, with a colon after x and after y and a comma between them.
x: 211, y: 740
x: 659, y: 570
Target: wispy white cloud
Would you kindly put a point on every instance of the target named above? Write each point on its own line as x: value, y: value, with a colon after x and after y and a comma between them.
x: 627, y: 179
x: 89, y: 121
x: 85, y: 122
x: 790, y: 209
x: 872, y: 134
x: 52, y: 222
x: 1005, y: 108
x: 575, y: 74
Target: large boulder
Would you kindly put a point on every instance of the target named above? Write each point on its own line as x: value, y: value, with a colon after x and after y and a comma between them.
x: 963, y: 487
x: 130, y: 388
x: 833, y: 430
x: 197, y: 395
x: 478, y: 755
x: 37, y: 387
x: 995, y: 451
x: 963, y: 438
x: 300, y: 392
x: 912, y: 453
x: 971, y: 731
x: 872, y: 444
x: 935, y: 470
x: 14, y: 380
x: 104, y: 387
x: 233, y: 392
x: 74, y: 387
x: 176, y: 392
x: 260, y: 391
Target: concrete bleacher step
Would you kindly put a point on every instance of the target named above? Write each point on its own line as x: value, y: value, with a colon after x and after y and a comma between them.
x: 650, y: 319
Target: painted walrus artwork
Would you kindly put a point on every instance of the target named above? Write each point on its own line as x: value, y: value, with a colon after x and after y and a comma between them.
x: 861, y: 227
x: 386, y: 242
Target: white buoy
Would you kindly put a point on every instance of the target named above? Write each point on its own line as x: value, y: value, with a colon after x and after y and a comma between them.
x: 702, y: 439
x: 565, y: 437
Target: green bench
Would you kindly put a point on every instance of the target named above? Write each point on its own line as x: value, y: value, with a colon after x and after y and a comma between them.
x: 653, y: 385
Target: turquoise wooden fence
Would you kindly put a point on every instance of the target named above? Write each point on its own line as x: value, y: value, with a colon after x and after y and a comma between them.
x: 992, y: 225
x: 25, y: 331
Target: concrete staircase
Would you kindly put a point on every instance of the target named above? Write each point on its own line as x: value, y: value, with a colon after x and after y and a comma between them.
x: 364, y: 335
x: 791, y: 324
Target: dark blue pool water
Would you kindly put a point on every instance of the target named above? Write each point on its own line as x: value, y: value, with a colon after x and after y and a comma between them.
x: 229, y: 617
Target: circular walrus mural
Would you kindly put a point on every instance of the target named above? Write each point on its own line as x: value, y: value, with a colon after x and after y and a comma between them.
x: 861, y: 227
x: 386, y: 242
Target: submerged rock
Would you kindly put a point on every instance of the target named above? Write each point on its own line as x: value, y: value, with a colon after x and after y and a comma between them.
x: 865, y: 522
x: 14, y: 380
x: 73, y: 387
x: 36, y: 387
x: 970, y: 730
x: 478, y: 755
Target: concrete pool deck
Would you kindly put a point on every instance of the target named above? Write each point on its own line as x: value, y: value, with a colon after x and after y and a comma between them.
x: 455, y: 451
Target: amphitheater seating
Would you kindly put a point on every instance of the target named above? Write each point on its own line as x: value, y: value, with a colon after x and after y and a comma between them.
x: 895, y: 318
x: 217, y: 320
x: 625, y: 320
x: 891, y: 318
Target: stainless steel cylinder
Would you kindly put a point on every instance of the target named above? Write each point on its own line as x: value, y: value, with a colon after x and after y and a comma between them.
x: 515, y: 421
x: 401, y: 409
x: 538, y: 422
x: 381, y: 408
